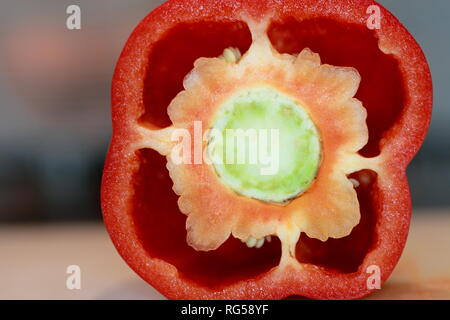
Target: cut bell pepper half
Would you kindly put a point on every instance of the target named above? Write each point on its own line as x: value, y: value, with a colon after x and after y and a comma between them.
x: 259, y: 148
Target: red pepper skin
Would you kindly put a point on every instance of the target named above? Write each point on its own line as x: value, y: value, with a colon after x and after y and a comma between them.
x: 399, y: 145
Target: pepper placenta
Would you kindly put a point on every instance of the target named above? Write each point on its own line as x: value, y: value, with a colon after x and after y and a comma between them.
x: 325, y: 213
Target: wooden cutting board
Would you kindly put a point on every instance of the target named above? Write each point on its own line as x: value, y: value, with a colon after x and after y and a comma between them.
x: 34, y: 261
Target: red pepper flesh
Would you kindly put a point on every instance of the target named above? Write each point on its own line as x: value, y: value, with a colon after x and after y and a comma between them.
x: 140, y: 208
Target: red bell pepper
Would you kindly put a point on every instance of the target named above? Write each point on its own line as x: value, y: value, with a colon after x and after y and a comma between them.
x: 188, y: 57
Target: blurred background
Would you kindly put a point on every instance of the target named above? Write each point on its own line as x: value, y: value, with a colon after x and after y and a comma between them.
x: 55, y: 103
